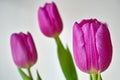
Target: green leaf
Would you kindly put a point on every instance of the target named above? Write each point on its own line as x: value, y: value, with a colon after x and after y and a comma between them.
x: 66, y: 61
x: 38, y: 76
x: 23, y: 75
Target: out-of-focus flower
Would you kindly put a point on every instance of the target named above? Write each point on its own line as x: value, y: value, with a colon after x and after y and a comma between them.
x: 49, y: 20
x: 92, y: 46
x: 23, y: 50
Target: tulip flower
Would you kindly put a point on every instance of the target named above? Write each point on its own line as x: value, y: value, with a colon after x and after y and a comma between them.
x: 49, y: 20
x: 51, y: 26
x: 92, y: 46
x: 23, y: 50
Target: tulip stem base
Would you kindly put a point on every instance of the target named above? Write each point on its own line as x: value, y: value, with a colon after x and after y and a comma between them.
x: 95, y: 76
x: 99, y: 76
x: 30, y: 75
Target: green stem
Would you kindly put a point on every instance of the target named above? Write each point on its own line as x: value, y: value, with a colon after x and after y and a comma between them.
x: 58, y: 41
x: 66, y: 61
x: 93, y: 76
x: 90, y: 77
x: 99, y: 76
x: 29, y: 73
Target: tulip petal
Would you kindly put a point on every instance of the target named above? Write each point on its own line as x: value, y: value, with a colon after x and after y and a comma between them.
x: 89, y: 30
x: 54, y: 17
x: 23, y: 50
x: 104, y: 47
x: 79, y: 48
x: 44, y: 22
x: 19, y: 51
x: 33, y: 53
x: 49, y: 20
x: 92, y: 46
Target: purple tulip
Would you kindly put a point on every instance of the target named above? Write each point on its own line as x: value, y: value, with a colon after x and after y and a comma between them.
x: 23, y: 50
x: 92, y: 46
x: 49, y: 20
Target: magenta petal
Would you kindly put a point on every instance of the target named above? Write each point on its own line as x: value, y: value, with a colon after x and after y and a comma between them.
x: 33, y: 53
x: 54, y: 17
x: 89, y: 31
x: 79, y: 48
x: 49, y: 20
x: 23, y: 50
x: 19, y: 51
x: 44, y: 22
x: 104, y: 47
x: 92, y: 46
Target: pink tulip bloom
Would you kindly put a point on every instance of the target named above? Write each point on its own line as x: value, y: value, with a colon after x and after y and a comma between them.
x: 49, y: 20
x: 92, y: 46
x: 23, y: 50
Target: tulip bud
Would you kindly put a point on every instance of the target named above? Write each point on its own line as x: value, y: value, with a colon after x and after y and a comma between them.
x: 92, y: 46
x: 23, y: 50
x: 49, y: 20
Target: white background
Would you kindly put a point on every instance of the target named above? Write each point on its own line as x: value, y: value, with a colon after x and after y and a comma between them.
x: 21, y: 16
